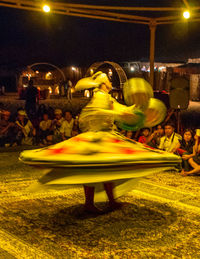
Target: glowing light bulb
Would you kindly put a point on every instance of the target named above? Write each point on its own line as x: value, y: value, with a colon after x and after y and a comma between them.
x: 46, y: 8
x: 186, y: 14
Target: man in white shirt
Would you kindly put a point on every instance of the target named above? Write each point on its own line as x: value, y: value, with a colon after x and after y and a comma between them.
x: 170, y: 140
x: 67, y: 126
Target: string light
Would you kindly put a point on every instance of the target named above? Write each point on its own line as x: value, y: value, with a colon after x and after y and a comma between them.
x: 186, y: 14
x: 46, y: 8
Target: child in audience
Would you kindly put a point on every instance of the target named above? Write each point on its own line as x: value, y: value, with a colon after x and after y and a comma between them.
x: 129, y: 134
x: 67, y: 126
x: 144, y: 138
x: 45, y: 129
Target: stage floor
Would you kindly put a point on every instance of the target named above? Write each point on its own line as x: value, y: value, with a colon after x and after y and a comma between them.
x: 159, y: 219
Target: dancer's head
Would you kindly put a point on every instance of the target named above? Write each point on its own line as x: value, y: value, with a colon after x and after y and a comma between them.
x: 104, y: 82
x: 98, y: 80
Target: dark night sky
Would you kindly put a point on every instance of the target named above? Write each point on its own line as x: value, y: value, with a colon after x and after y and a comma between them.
x: 28, y: 37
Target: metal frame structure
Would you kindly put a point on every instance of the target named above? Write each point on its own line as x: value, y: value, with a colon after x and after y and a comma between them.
x: 117, y: 14
x: 48, y: 64
x: 117, y: 67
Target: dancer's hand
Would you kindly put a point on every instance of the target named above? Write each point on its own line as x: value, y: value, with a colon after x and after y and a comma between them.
x: 129, y: 118
x: 141, y: 100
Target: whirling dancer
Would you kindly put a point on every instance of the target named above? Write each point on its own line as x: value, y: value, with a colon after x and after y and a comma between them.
x: 101, y: 159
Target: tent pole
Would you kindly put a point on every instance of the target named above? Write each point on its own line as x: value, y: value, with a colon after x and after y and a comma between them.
x: 152, y: 27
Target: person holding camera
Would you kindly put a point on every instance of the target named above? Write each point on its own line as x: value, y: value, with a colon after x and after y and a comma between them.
x: 156, y: 135
x: 55, y: 128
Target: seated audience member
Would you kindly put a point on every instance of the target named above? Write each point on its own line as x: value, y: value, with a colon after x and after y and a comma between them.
x: 170, y: 140
x: 45, y: 129
x: 123, y: 132
x: 25, y: 130
x: 185, y: 148
x: 144, y: 138
x: 7, y: 128
x: 55, y: 127
x: 154, y: 139
x: 194, y: 161
x: 67, y: 126
x: 129, y: 134
x: 186, y: 144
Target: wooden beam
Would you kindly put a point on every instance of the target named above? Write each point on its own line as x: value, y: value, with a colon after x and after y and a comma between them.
x: 169, y: 18
x: 100, y: 7
x: 93, y: 16
x: 186, y: 4
x: 123, y: 8
x: 77, y: 13
x: 94, y: 11
x: 195, y: 8
x: 55, y: 8
x: 110, y: 14
x: 179, y: 21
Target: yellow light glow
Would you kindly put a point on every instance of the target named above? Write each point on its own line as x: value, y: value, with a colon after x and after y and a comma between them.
x: 46, y: 8
x: 50, y: 90
x: 48, y: 75
x: 186, y: 14
x: 110, y: 72
x: 87, y: 93
x: 57, y: 90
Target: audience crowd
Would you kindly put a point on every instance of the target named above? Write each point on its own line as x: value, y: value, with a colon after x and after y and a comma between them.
x: 49, y: 126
